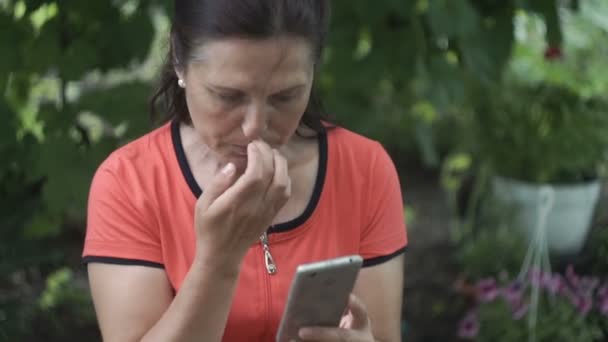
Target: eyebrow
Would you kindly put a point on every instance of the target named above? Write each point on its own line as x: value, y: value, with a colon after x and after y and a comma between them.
x: 220, y: 88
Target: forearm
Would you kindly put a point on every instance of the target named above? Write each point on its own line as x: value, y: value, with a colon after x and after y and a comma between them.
x: 200, y: 309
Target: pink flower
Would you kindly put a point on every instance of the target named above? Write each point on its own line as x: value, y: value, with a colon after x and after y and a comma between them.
x: 513, y: 292
x: 572, y: 277
x: 603, y: 306
x: 487, y: 290
x: 565, y: 291
x: 553, y: 283
x: 587, y: 285
x: 519, y: 310
x: 468, y: 327
x: 583, y: 304
x: 602, y: 292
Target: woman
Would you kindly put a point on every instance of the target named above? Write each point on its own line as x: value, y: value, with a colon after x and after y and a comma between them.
x: 168, y: 261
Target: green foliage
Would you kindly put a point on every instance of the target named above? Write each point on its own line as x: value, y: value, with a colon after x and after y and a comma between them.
x: 50, y: 50
x: 411, y: 53
x: 558, y: 320
x: 542, y: 134
x: 386, y: 60
x: 70, y: 93
x: 539, y: 306
x: 546, y: 122
x: 72, y: 39
x: 492, y: 251
x: 599, y: 250
x: 65, y: 306
x: 582, y: 67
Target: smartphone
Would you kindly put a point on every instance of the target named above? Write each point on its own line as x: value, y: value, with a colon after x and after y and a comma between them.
x: 318, y: 295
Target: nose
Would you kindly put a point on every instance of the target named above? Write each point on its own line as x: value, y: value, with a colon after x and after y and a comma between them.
x: 255, y: 121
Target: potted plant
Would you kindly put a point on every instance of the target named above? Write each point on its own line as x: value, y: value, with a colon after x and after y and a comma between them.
x: 545, y: 145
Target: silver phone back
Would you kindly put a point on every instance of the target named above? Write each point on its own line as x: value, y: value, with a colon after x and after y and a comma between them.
x: 318, y: 295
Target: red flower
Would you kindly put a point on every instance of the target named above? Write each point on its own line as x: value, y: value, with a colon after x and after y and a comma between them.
x: 553, y: 53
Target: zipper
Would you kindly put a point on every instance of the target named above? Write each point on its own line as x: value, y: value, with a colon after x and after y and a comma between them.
x: 271, y: 267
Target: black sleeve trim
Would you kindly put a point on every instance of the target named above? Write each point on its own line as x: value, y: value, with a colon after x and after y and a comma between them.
x: 384, y: 258
x: 120, y: 261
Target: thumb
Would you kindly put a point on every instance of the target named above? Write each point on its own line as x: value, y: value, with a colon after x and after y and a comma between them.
x: 358, y: 311
x: 220, y: 183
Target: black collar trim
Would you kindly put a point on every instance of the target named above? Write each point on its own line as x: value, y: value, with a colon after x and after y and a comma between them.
x: 281, y: 227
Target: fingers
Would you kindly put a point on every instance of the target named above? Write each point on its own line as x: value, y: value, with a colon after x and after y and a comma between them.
x: 347, y: 320
x: 267, y: 158
x: 257, y: 175
x: 220, y: 183
x: 328, y: 334
x: 262, y: 180
x: 260, y: 167
x: 354, y: 326
x: 255, y: 166
x: 280, y: 188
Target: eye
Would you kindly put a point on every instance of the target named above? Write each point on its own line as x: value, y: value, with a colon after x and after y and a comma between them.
x: 282, y: 98
x: 230, y: 97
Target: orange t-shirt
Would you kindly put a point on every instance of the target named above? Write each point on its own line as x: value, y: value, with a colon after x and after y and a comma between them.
x: 141, y: 212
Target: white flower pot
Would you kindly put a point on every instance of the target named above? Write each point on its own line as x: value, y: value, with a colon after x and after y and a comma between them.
x: 569, y: 212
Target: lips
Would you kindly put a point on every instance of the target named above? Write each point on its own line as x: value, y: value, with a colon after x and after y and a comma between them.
x: 239, y: 150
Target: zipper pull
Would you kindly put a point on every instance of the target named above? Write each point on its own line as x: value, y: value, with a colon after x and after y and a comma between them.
x: 271, y: 267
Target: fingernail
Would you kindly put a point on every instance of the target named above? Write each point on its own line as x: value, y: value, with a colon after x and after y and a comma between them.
x: 228, y: 169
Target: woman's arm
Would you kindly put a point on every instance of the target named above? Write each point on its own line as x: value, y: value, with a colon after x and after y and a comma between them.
x: 135, y: 303
x: 380, y: 288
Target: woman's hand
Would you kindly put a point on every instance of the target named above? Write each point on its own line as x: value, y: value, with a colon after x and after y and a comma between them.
x: 234, y: 211
x: 354, y: 326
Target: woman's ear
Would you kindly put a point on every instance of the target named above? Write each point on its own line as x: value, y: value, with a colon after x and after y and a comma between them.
x: 179, y: 73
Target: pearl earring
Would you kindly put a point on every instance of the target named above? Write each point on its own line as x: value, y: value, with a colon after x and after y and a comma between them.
x: 181, y: 83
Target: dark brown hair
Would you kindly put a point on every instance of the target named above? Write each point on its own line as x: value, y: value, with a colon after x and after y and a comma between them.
x: 197, y: 21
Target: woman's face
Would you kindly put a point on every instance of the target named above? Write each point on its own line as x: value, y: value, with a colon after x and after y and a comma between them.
x: 240, y: 90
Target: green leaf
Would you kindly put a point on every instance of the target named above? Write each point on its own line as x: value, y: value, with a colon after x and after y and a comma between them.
x: 46, y: 44
x: 452, y: 18
x: 125, y: 103
x: 486, y: 50
x: 12, y: 34
x: 68, y: 170
x: 7, y: 130
x: 78, y: 58
x: 42, y: 225
x: 549, y: 10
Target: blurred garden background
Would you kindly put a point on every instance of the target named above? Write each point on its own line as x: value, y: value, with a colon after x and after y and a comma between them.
x: 494, y: 111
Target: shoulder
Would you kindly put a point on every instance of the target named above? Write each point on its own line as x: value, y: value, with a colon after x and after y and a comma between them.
x: 139, y: 155
x: 353, y: 148
x: 134, y: 168
x: 347, y: 137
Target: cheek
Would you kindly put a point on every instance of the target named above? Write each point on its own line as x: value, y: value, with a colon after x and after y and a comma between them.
x: 290, y: 115
x: 286, y: 121
x: 213, y: 122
